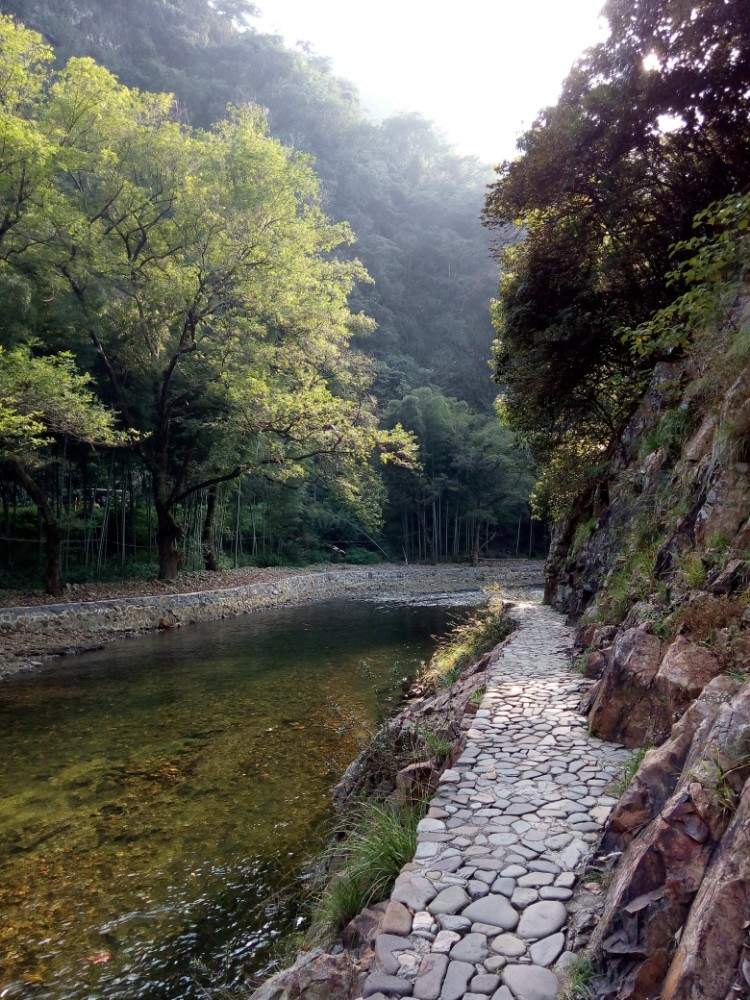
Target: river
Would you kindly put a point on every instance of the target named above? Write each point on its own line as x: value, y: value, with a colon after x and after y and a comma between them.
x: 161, y: 800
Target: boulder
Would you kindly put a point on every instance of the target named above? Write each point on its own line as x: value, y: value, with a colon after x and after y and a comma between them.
x: 687, y: 867
x: 729, y: 579
x: 709, y: 959
x: 626, y: 707
x: 685, y: 670
x: 660, y: 769
x: 315, y: 975
x: 416, y: 782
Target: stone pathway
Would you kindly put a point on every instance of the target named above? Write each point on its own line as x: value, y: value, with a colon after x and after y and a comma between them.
x: 481, y: 912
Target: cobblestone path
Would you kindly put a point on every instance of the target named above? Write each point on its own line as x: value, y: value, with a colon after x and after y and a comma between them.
x: 481, y: 912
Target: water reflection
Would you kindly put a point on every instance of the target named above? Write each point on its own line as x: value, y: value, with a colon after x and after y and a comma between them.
x: 160, y: 796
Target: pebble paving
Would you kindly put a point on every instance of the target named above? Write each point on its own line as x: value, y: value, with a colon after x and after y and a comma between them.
x: 481, y: 911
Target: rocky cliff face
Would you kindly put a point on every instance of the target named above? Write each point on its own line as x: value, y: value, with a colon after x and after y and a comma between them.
x: 656, y: 562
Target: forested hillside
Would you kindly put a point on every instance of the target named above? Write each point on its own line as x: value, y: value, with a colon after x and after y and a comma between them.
x: 191, y: 462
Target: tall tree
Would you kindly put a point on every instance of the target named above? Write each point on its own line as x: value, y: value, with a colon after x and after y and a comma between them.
x: 197, y: 268
x: 42, y: 399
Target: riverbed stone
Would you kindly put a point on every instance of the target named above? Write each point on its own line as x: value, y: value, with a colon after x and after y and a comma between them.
x: 456, y: 980
x: 444, y: 941
x: 430, y: 977
x: 397, y: 919
x: 415, y: 892
x: 547, y: 950
x: 502, y: 994
x: 390, y: 986
x: 493, y: 909
x: 472, y: 948
x: 508, y: 945
x: 485, y: 983
x: 385, y: 945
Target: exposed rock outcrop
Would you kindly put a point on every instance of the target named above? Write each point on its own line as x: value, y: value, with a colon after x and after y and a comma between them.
x: 662, y: 571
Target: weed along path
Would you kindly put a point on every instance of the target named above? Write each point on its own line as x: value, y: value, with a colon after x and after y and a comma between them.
x: 482, y: 910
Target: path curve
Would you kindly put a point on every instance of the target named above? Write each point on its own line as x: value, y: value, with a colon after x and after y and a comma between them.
x: 481, y: 911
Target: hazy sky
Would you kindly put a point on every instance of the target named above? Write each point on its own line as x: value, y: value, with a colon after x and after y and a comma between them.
x: 480, y: 69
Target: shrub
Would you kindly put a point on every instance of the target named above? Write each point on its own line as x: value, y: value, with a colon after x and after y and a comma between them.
x: 707, y: 615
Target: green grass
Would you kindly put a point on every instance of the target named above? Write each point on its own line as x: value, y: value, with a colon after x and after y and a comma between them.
x: 466, y: 643
x: 438, y: 744
x: 629, y: 771
x: 578, y: 975
x: 382, y: 840
x: 476, y: 697
x: 692, y: 568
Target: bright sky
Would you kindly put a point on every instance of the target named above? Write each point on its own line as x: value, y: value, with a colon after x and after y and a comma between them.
x: 480, y: 69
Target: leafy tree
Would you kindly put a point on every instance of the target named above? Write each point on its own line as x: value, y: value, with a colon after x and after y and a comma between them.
x: 197, y: 267
x: 413, y: 203
x: 472, y: 480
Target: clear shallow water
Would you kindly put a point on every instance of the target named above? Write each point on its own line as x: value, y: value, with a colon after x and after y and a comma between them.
x: 160, y: 797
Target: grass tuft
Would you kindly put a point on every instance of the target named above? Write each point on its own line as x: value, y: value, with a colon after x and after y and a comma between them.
x: 629, y: 770
x: 466, y: 642
x: 382, y: 840
x: 578, y: 975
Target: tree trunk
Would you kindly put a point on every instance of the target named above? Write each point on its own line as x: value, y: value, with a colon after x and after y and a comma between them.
x: 168, y: 533
x: 475, y: 536
x: 208, y: 537
x: 53, y: 534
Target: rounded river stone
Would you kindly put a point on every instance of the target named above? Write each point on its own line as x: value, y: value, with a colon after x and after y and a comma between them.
x: 494, y: 910
x: 542, y: 919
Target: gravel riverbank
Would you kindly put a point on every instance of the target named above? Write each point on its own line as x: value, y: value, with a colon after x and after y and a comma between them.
x: 32, y: 630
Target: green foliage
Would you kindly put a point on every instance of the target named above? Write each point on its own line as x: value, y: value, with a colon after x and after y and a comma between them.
x: 41, y: 397
x: 472, y: 482
x: 723, y: 774
x: 713, y: 275
x: 413, y: 202
x: 194, y: 274
x: 632, y: 579
x: 437, y: 744
x: 692, y: 568
x: 382, y: 840
x: 197, y: 268
x: 582, y: 534
x: 673, y: 428
x: 605, y: 190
